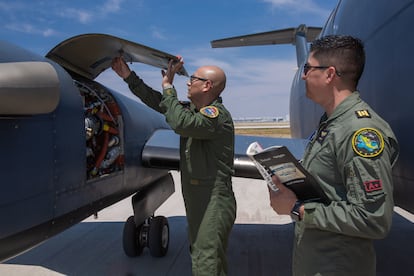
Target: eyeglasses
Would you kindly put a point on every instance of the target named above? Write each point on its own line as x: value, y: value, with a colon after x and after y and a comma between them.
x: 307, y: 67
x: 194, y: 78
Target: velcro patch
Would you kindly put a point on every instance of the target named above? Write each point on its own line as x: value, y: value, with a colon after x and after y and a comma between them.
x: 367, y: 142
x: 210, y: 111
x: 362, y: 114
x: 373, y: 185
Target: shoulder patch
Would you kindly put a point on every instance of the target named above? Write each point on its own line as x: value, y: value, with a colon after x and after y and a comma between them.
x: 367, y: 142
x: 210, y: 111
x: 362, y: 114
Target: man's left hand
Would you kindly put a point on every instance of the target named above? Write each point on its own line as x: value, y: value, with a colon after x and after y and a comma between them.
x: 173, y: 68
x: 283, y: 200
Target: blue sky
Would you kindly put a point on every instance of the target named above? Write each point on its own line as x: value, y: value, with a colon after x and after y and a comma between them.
x: 258, y: 77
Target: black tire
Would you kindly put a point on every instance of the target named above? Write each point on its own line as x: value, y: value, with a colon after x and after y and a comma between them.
x: 159, y: 236
x: 130, y: 239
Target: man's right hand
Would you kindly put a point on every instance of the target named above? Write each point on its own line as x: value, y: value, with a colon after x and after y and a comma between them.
x: 173, y: 68
x: 120, y: 67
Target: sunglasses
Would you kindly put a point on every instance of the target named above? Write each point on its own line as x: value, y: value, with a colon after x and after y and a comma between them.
x: 307, y: 68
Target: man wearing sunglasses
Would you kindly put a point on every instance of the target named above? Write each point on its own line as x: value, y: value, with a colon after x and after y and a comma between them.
x: 206, y: 157
x: 351, y: 157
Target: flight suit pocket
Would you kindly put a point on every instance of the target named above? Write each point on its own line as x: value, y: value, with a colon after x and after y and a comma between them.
x: 364, y: 182
x: 199, y: 163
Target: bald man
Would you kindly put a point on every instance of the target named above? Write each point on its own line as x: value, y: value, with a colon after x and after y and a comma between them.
x: 206, y: 157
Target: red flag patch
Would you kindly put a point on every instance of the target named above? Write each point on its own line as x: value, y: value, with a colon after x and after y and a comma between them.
x: 373, y: 185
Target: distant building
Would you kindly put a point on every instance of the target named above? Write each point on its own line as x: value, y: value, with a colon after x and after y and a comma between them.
x: 277, y: 119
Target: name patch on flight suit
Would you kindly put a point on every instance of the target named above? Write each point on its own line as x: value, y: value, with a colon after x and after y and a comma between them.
x: 210, y: 111
x: 194, y: 181
x: 367, y: 142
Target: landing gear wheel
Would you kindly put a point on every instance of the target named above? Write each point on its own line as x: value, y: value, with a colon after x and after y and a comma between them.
x: 131, y: 239
x: 159, y: 236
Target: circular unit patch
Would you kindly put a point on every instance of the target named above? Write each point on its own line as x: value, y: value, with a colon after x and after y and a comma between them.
x: 367, y: 142
x: 210, y: 111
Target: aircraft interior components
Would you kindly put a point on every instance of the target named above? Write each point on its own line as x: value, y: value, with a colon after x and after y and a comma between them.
x: 103, y: 130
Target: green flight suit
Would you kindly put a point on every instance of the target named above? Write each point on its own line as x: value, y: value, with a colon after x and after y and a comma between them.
x: 206, y: 167
x: 351, y: 156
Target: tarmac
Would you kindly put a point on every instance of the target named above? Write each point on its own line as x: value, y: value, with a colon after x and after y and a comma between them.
x: 260, y: 243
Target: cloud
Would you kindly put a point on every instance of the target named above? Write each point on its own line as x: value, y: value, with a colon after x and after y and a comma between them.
x: 49, y: 32
x: 157, y: 33
x: 10, y: 6
x: 31, y: 29
x: 299, y: 6
x: 86, y: 16
x: 79, y: 15
x: 262, y: 85
x: 111, y: 6
x: 17, y: 17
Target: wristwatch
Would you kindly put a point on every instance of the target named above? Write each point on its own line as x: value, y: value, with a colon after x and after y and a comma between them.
x: 295, y: 213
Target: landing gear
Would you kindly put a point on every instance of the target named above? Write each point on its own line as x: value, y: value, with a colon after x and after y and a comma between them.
x: 132, y: 241
x: 159, y: 236
x: 153, y: 233
x: 143, y: 229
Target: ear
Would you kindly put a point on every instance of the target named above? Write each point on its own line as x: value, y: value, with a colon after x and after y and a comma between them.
x: 330, y: 73
x: 208, y: 84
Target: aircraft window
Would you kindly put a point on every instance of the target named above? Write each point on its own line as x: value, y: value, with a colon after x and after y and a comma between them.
x: 103, y: 131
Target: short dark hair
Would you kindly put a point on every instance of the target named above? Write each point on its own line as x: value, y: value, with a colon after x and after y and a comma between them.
x: 344, y: 52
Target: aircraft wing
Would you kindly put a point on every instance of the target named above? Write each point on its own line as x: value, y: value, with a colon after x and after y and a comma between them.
x: 284, y: 36
x: 162, y: 151
x: 90, y: 54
